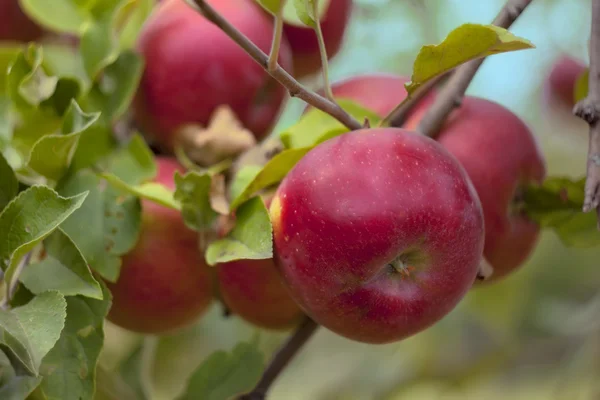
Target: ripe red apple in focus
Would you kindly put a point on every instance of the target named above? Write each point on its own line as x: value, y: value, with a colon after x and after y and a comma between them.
x: 303, y: 40
x: 560, y: 82
x: 501, y: 156
x: 165, y: 283
x: 192, y: 67
x: 15, y: 25
x: 383, y: 239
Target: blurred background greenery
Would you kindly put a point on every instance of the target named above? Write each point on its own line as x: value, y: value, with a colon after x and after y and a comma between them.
x: 535, y: 335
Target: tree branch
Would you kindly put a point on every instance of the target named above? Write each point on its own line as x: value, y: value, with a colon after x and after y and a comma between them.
x: 282, y: 76
x: 589, y: 110
x: 285, y: 354
x: 451, y: 95
x: 277, y: 36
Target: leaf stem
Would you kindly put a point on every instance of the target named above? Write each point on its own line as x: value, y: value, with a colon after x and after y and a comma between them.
x: 282, y: 358
x: 322, y: 52
x: 277, y: 36
x: 451, y: 95
x: 588, y: 109
x: 279, y: 74
x: 11, y: 286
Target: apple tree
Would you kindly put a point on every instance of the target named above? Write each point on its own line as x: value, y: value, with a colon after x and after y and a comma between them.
x: 167, y: 231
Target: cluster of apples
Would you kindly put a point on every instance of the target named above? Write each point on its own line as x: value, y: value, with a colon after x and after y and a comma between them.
x: 378, y: 233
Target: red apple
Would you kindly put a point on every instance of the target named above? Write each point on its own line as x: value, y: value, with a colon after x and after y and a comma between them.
x: 253, y: 290
x: 303, y: 40
x: 192, y: 67
x: 560, y: 83
x: 165, y: 283
x: 15, y: 25
x: 383, y: 239
x: 378, y: 92
x: 501, y: 156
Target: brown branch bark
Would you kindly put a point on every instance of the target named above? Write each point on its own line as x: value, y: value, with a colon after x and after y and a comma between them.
x: 285, y: 354
x: 589, y: 110
x: 451, y: 95
x: 282, y: 76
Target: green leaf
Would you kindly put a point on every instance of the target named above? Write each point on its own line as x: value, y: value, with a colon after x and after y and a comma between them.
x: 106, y: 226
x: 134, y: 163
x: 115, y: 89
x: 57, y: 15
x: 67, y: 89
x: 273, y: 172
x: 137, y: 16
x: 250, y: 239
x: 9, y: 185
x: 19, y: 387
x: 28, y: 219
x: 272, y: 6
x: 30, y: 331
x: 465, y: 43
x: 69, y: 369
x: 152, y: 191
x: 8, y: 53
x: 580, y: 90
x: 316, y: 126
x: 52, y: 154
x: 295, y: 11
x: 224, y: 375
x: 28, y: 83
x: 64, y: 269
x: 65, y: 61
x: 557, y: 205
x: 242, y: 179
x: 193, y: 193
x: 305, y: 10
x: 31, y: 126
x: 95, y: 144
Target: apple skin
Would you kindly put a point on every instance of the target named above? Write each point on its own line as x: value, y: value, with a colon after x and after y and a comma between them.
x: 379, y: 196
x: 253, y: 290
x: 165, y: 283
x: 15, y: 25
x: 500, y: 154
x: 560, y: 83
x: 303, y: 40
x: 192, y: 67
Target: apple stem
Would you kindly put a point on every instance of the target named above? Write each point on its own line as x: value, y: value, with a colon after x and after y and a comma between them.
x: 588, y: 109
x: 450, y: 96
x: 277, y: 35
x: 323, y: 53
x: 284, y: 355
x: 295, y: 88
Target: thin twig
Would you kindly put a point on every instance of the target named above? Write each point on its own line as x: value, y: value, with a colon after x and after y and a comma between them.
x: 285, y: 354
x: 398, y: 115
x: 323, y: 53
x: 589, y: 110
x: 282, y: 76
x: 11, y: 286
x: 277, y: 36
x: 451, y: 95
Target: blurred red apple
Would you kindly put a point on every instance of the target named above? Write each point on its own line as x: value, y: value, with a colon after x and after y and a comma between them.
x: 192, y: 67
x: 559, y: 86
x: 303, y: 40
x: 15, y: 25
x: 382, y: 239
x: 165, y: 283
x: 378, y: 92
x: 501, y: 156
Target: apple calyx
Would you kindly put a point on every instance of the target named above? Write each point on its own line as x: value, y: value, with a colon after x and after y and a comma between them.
x: 224, y: 137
